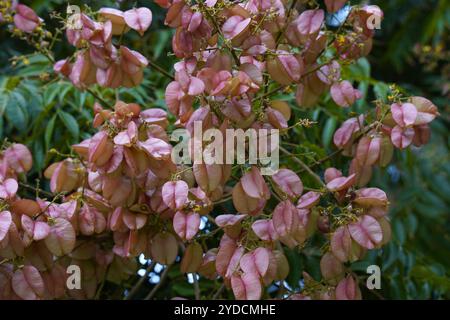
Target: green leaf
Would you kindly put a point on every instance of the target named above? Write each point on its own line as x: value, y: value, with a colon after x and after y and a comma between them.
x: 328, y: 131
x: 49, y: 131
x: 16, y: 112
x: 4, y: 99
x: 70, y: 123
x: 381, y: 90
x: 295, y: 268
x: 399, y: 231
x: 51, y: 91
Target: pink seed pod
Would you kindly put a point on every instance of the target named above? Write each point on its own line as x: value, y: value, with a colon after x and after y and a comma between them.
x: 117, y: 19
x: 61, y: 239
x: 404, y: 114
x: 186, y: 225
x: 402, y: 137
x: 313, y: 47
x: 101, y: 149
x: 28, y: 284
x: 331, y: 174
x: 111, y: 77
x: 83, y: 72
x: 155, y: 116
x: 208, y: 268
x: 426, y: 110
x: 134, y: 220
x: 39, y: 256
x: 341, y: 183
x: 174, y: 14
x: 276, y: 119
x: 66, y: 176
x: 343, y: 94
x: 236, y: 29
x: 36, y: 230
x: 341, y: 244
x: 118, y: 190
x: 202, y: 115
x: 285, y: 218
x: 347, y: 289
x: 285, y: 68
x: 368, y: 150
x: 254, y: 185
x: 288, y: 182
x: 309, y: 23
x: 343, y: 136
x: 5, y: 224
x: 26, y: 19
x: 192, y: 258
x: 334, y: 5
x: 308, y: 200
x: 128, y: 137
x: 177, y: 101
x: 25, y: 206
x: 18, y: 158
x: 231, y: 223
x: 282, y: 107
x: 256, y: 261
x: 366, y: 232
x: 238, y: 110
x: 329, y: 73
x: 138, y: 19
x: 132, y: 61
x: 386, y: 229
x: 386, y: 151
x: 305, y: 95
x: 91, y: 221
x: 332, y: 269
x: 115, y: 220
x: 175, y: 194
x: 156, y: 148
x: 282, y: 265
x: 55, y: 282
x: 363, y: 174
x: 246, y: 204
x: 371, y: 197
x: 228, y: 256
x: 164, y: 248
x: 8, y: 189
x: 163, y: 3
x: 265, y: 230
x: 246, y: 286
x: 364, y: 17
x: 63, y: 66
x: 422, y: 134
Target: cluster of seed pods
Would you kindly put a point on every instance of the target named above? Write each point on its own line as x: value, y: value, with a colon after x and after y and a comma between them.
x: 399, y: 125
x: 123, y: 196
x: 98, y: 59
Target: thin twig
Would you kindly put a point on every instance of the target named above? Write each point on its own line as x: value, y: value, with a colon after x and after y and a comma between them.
x: 304, y: 166
x: 159, y: 284
x: 37, y: 190
x: 96, y: 96
x: 138, y: 284
x: 281, y: 34
x: 218, y: 292
x: 161, y: 70
x: 196, y: 287
x: 219, y: 31
x: 99, y: 291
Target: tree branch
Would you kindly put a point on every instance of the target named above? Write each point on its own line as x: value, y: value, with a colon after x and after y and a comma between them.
x: 159, y: 284
x: 304, y: 166
x: 138, y: 284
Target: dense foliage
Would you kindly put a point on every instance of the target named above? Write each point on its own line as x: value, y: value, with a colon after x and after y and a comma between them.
x: 308, y: 231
